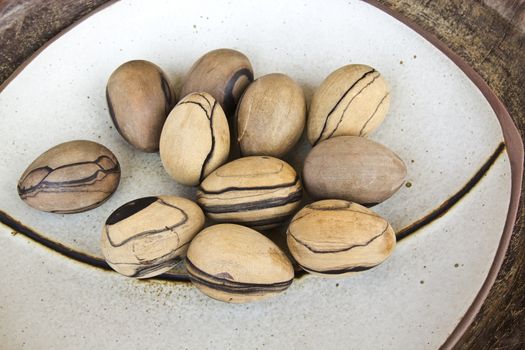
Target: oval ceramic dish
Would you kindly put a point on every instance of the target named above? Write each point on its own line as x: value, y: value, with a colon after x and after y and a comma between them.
x: 453, y: 217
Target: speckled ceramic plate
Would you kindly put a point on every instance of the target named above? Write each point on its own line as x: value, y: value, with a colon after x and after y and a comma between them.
x: 453, y: 217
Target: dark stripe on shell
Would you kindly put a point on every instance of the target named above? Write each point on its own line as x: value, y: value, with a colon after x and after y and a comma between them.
x: 143, y: 271
x: 256, y: 205
x: 225, y: 285
x: 252, y: 188
x: 129, y: 209
x: 168, y: 95
x: 209, y: 116
x: 261, y: 222
x: 345, y: 249
x: 341, y: 117
x: 113, y: 116
x: 325, y: 124
x: 338, y: 271
x: 373, y: 114
x: 61, y: 186
x: 153, y: 231
x: 229, y: 99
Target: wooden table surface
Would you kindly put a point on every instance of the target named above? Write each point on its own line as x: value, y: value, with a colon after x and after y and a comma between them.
x: 488, y: 34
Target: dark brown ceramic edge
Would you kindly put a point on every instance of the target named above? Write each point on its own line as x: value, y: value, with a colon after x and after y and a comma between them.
x: 21, y: 67
x: 514, y: 145
x: 511, y: 135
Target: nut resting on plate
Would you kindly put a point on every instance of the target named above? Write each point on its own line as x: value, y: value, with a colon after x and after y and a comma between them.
x: 353, y: 168
x: 139, y: 98
x: 259, y: 191
x: 271, y: 116
x: 236, y: 264
x: 148, y: 236
x: 336, y: 237
x: 223, y: 73
x: 71, y: 177
x: 195, y: 139
x: 353, y: 100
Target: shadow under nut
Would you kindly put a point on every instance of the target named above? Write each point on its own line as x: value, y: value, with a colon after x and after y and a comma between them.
x: 150, y: 235
x: 236, y: 264
x: 195, y: 139
x: 351, y: 101
x: 223, y: 73
x: 337, y: 237
x: 139, y: 98
x: 271, y: 116
x: 353, y: 168
x: 71, y: 177
x: 259, y: 191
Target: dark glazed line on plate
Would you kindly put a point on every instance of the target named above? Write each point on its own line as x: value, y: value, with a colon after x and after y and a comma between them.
x: 73, y: 254
x: 514, y: 143
x: 402, y: 234
x: 20, y: 228
x: 456, y: 197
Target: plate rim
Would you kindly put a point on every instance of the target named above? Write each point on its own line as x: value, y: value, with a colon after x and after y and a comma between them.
x: 514, y: 145
x: 511, y: 135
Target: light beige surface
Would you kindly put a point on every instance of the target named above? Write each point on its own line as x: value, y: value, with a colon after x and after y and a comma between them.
x: 139, y: 97
x: 353, y: 100
x: 195, y: 139
x: 271, y: 116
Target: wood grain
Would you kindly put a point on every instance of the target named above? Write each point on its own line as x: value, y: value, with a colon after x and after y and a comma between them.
x: 487, y: 34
